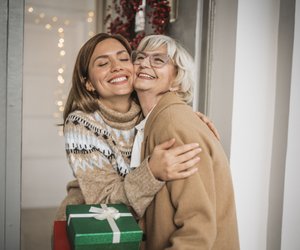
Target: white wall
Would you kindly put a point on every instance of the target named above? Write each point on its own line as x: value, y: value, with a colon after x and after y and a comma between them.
x: 265, y: 137
x: 45, y: 170
x: 281, y: 117
x: 253, y: 115
x: 291, y: 208
x: 222, y: 70
x: 243, y: 84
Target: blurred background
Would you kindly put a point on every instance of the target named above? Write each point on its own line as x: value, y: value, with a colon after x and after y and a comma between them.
x: 54, y: 31
x: 247, y: 56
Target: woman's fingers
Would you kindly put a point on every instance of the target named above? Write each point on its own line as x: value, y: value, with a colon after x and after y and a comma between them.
x: 181, y: 169
x: 171, y: 163
x: 186, y: 165
x: 182, y: 149
x: 183, y: 174
x: 202, y: 116
x: 213, y: 128
x: 187, y: 156
x: 209, y: 124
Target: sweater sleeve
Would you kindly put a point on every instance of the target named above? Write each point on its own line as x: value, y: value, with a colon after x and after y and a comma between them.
x: 99, y: 181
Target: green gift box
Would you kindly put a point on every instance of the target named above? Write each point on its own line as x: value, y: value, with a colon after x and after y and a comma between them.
x: 111, y: 226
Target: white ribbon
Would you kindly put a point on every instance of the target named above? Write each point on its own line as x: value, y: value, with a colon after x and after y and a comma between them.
x: 105, y: 213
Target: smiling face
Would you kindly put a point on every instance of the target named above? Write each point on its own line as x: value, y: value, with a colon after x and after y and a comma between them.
x: 154, y: 81
x: 111, y: 71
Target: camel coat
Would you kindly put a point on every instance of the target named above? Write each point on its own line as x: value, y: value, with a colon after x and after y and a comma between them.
x: 197, y: 212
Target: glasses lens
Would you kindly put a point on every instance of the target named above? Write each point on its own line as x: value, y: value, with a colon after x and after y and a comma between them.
x: 159, y: 60
x: 137, y: 57
x: 156, y: 60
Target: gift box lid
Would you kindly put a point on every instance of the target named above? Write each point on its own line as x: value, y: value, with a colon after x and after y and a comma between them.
x: 91, y: 231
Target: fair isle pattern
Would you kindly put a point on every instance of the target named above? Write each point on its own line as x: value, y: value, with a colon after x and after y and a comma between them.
x: 91, y: 143
x: 125, y: 137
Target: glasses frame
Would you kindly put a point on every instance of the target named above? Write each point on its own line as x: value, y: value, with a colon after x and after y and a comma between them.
x: 135, y: 52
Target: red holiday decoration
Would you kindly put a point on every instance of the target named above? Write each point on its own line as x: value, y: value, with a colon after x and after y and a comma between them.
x: 158, y: 16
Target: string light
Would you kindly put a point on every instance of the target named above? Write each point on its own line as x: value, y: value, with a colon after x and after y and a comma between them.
x: 60, y: 79
x: 90, y: 21
x: 62, y: 53
x: 60, y: 103
x: 52, y: 22
x: 91, y: 33
x: 48, y: 26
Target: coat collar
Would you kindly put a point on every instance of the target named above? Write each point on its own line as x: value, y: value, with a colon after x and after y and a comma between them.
x: 167, y: 100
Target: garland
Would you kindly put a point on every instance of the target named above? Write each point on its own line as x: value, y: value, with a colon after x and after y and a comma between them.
x: 158, y: 17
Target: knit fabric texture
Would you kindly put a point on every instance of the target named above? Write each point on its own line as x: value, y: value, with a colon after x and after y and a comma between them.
x: 98, y: 147
x: 104, y: 137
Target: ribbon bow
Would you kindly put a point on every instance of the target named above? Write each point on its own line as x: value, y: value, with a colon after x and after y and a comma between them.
x: 105, y: 213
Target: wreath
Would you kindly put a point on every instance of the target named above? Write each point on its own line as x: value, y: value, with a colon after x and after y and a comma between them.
x: 156, y: 12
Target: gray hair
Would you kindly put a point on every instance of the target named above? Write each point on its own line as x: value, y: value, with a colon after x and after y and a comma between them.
x: 184, y: 62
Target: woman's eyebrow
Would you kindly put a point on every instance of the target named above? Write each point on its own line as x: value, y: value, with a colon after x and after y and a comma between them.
x: 122, y: 51
x: 107, y: 55
x: 100, y: 57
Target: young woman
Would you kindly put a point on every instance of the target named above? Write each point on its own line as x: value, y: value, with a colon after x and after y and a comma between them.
x: 197, y: 212
x: 99, y: 128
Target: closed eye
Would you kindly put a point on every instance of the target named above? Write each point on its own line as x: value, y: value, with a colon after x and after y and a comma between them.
x: 102, y: 64
x: 124, y: 59
x: 140, y: 57
x: 157, y: 59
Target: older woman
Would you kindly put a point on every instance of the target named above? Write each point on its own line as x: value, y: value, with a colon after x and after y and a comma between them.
x: 99, y: 129
x: 197, y: 212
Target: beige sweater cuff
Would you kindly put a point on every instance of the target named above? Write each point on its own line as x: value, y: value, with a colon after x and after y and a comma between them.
x: 141, y: 187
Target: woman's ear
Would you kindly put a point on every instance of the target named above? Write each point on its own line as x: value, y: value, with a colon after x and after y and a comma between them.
x: 82, y: 79
x: 89, y: 86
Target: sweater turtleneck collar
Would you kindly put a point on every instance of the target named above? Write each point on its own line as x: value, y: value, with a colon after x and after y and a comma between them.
x: 120, y: 120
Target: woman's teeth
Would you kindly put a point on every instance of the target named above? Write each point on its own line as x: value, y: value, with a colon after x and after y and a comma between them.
x: 119, y: 79
x: 145, y: 75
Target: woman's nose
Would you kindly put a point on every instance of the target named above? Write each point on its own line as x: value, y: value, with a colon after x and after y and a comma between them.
x: 115, y: 66
x: 146, y: 62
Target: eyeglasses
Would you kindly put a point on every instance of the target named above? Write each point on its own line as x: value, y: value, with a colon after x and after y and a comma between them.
x: 156, y: 60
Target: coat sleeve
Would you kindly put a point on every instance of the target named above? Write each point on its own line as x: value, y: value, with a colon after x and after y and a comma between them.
x: 193, y: 198
x: 100, y: 182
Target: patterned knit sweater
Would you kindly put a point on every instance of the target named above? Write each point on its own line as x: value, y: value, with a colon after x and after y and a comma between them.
x: 98, y: 147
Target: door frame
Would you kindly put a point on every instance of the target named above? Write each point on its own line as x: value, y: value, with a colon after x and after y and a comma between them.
x: 11, y: 77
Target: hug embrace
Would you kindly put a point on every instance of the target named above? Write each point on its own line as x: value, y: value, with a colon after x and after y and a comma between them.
x: 132, y: 138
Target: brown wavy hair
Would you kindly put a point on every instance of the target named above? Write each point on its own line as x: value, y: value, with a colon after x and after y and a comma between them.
x: 79, y: 98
